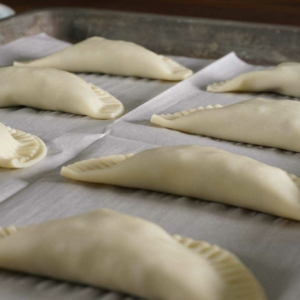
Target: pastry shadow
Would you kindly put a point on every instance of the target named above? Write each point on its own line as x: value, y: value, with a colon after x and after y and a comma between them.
x: 205, y: 206
x: 31, y: 287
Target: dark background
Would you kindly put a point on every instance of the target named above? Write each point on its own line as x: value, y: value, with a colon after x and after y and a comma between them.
x: 264, y: 11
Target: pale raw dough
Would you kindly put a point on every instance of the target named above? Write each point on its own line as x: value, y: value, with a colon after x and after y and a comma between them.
x: 99, y: 55
x: 53, y: 89
x: 273, y: 123
x: 283, y: 79
x: 19, y: 149
x: 199, y: 172
x: 123, y: 253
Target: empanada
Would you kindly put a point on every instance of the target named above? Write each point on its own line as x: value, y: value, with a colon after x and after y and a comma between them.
x: 19, y: 149
x: 99, y: 55
x: 199, y: 172
x: 118, y: 252
x: 283, y: 79
x: 53, y: 89
x: 273, y: 123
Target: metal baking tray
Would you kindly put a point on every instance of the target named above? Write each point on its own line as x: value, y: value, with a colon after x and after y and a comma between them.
x: 190, y: 37
x: 183, y: 36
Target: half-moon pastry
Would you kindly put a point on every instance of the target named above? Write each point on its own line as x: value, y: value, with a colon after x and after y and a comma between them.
x: 99, y: 55
x: 52, y: 89
x: 118, y: 252
x: 272, y: 123
x: 200, y: 172
x: 19, y: 149
x: 283, y: 79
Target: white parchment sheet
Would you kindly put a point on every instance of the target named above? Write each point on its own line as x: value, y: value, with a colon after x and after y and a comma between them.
x: 269, y: 246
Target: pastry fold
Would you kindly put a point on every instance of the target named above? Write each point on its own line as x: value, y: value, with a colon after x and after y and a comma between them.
x: 100, y: 55
x: 19, y: 149
x: 52, y: 89
x: 110, y: 250
x: 200, y: 172
x: 272, y: 123
x: 283, y: 79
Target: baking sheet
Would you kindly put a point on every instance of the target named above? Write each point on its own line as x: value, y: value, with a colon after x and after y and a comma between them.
x: 268, y: 245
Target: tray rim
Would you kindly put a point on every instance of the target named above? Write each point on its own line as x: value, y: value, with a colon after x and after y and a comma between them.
x: 208, y: 21
x: 255, y: 43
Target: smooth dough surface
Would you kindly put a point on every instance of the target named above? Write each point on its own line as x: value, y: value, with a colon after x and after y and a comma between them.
x: 52, y: 89
x: 200, y: 172
x: 283, y: 79
x: 99, y: 55
x: 110, y: 250
x: 273, y: 123
x: 19, y: 149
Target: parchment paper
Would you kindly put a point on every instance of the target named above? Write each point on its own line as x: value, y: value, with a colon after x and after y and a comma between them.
x: 268, y: 245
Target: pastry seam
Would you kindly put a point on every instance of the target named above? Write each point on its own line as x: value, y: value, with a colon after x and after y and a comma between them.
x: 108, y: 104
x: 98, y: 163
x: 234, y: 273
x: 183, y: 113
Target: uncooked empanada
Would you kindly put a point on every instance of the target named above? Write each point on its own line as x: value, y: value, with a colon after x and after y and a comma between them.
x: 123, y: 253
x: 99, y: 55
x: 199, y: 172
x: 19, y: 149
x: 273, y: 123
x: 283, y: 79
x: 53, y: 89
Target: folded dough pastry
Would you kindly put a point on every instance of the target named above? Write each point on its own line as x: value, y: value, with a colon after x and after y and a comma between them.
x: 53, y: 89
x: 110, y: 250
x: 99, y: 55
x: 273, y: 123
x: 283, y: 79
x: 199, y: 172
x: 19, y: 149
